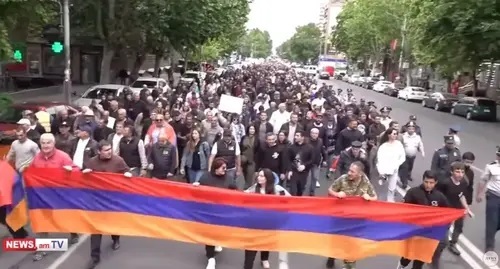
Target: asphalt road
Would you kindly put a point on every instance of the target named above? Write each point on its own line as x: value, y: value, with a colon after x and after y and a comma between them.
x: 135, y: 253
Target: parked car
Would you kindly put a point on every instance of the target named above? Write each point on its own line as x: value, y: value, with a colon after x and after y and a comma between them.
x: 392, y: 90
x: 412, y: 93
x: 440, y: 101
x: 370, y: 82
x: 475, y: 108
x: 150, y: 83
x: 11, y: 115
x: 96, y: 92
x: 381, y: 85
x: 353, y: 79
x: 346, y: 78
x: 324, y: 75
x: 359, y: 81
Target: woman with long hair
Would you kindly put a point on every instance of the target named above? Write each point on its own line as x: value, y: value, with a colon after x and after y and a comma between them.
x: 195, y: 157
x: 264, y: 184
x: 390, y: 155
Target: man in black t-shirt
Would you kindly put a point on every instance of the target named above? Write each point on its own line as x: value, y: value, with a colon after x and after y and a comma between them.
x: 455, y: 189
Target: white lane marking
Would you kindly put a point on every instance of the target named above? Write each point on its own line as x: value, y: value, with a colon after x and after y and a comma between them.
x: 61, y: 259
x: 464, y: 241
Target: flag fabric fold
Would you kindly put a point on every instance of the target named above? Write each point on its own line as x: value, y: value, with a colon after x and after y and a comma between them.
x: 12, y: 196
x: 61, y: 201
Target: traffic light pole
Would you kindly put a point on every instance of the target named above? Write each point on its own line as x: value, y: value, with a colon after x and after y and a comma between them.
x: 67, y: 53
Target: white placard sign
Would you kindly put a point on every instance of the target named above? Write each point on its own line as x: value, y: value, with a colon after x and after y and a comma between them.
x: 111, y: 122
x: 231, y: 104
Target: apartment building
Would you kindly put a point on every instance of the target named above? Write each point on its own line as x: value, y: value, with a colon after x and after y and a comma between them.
x: 328, y: 13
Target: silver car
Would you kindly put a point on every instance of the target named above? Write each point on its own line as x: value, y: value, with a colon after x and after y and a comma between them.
x: 96, y: 93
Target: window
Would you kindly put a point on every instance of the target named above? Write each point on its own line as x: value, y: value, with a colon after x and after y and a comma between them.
x: 97, y: 93
x: 53, y: 63
x: 486, y: 103
x: 141, y: 83
x: 418, y: 89
x: 191, y: 75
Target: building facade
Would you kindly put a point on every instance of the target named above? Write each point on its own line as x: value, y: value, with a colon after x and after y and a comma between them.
x: 329, y: 11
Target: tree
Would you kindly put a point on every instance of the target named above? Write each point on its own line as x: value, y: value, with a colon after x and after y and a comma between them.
x: 284, y: 51
x: 153, y: 26
x: 303, y: 46
x: 21, y: 19
x: 257, y: 44
x: 365, y: 28
x: 455, y: 35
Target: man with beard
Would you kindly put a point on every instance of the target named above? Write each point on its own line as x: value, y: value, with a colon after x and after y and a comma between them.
x: 347, y: 136
x: 318, y: 124
x: 273, y: 157
x: 301, y: 158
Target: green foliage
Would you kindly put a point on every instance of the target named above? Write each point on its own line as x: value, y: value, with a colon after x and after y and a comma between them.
x: 303, y: 46
x: 366, y: 28
x: 256, y: 43
x: 455, y: 35
x: 20, y: 19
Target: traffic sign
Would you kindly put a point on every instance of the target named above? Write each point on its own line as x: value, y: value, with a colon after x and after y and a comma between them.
x: 18, y: 55
x: 57, y: 47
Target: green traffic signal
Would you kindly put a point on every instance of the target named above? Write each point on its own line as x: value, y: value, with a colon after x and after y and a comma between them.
x: 18, y: 55
x: 57, y: 47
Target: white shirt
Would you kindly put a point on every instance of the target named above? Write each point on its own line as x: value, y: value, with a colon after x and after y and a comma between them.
x: 291, y: 135
x: 318, y: 102
x: 390, y: 156
x: 412, y: 144
x: 116, y: 143
x: 279, y: 118
x: 80, y: 149
x: 492, y: 177
x: 386, y: 122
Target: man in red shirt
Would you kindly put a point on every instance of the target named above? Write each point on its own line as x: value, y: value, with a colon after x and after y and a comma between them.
x: 50, y: 157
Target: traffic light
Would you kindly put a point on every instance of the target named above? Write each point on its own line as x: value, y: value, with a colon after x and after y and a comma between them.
x: 57, y: 47
x: 17, y: 55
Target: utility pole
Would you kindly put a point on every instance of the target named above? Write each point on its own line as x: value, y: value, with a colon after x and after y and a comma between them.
x: 67, y: 53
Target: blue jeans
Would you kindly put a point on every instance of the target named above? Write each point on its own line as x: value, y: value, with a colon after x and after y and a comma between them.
x: 194, y: 175
x: 231, y: 175
x: 492, y: 219
x: 314, y: 177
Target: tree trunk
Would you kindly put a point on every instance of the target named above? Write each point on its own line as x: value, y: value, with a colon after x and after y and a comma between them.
x: 158, y: 58
x: 107, y: 57
x: 139, y: 60
x: 490, y: 75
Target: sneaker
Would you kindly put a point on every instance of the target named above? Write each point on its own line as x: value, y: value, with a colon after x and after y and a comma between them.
x: 211, y: 263
x: 266, y: 265
x: 400, y: 266
x: 218, y: 249
x: 317, y: 184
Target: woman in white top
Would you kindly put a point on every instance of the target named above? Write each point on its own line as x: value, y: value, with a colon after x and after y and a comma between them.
x: 390, y: 155
x: 265, y: 184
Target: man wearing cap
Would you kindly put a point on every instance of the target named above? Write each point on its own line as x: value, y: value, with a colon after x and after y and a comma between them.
x: 453, y: 131
x: 228, y: 149
x: 64, y: 139
x: 84, y: 148
x: 385, y: 119
x: 413, y: 119
x: 412, y: 143
x: 444, y: 157
x: 31, y: 133
x: 88, y: 120
x: 490, y: 185
x: 350, y: 155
